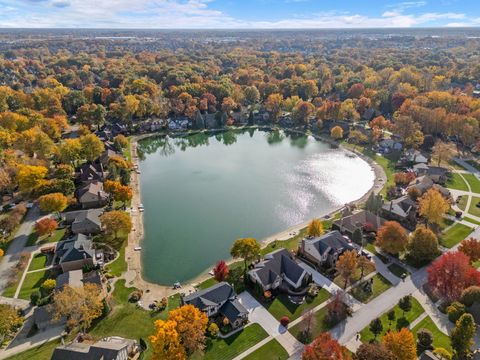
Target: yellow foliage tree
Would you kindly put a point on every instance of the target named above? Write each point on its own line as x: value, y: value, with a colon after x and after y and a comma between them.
x: 55, y: 202
x: 166, y: 342
x: 315, y: 228
x: 191, y: 324
x: 92, y: 146
x: 346, y: 266
x: 29, y: 176
x: 433, y: 206
x: 115, y: 223
x: 336, y: 132
x: 401, y: 344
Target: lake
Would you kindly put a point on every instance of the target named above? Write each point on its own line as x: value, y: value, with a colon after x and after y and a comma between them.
x: 201, y: 192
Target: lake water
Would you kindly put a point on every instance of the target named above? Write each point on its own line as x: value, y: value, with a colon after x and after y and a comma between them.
x: 201, y: 192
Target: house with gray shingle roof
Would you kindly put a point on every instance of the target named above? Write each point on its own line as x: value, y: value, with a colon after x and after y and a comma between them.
x: 113, y: 348
x: 92, y: 195
x: 403, y: 210
x: 277, y: 268
x: 348, y: 224
x: 76, y: 253
x: 89, y: 172
x: 325, y: 250
x: 84, y: 221
x: 219, y: 300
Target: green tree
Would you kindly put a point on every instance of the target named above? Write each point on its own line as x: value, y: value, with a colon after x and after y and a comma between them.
x: 462, y: 336
x: 405, y: 304
x: 376, y: 327
x: 92, y: 146
x: 245, y: 248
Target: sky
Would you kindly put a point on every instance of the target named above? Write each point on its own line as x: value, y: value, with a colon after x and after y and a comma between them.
x: 248, y: 14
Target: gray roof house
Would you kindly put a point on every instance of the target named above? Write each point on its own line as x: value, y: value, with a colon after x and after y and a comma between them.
x: 84, y: 221
x: 415, y: 157
x: 72, y: 278
x: 75, y: 253
x: 106, y: 156
x: 277, y: 268
x: 219, y: 299
x: 348, y: 224
x: 113, y: 348
x: 89, y: 172
x: 326, y: 249
x: 439, y: 175
x: 425, y: 183
x: 403, y: 210
x: 92, y: 195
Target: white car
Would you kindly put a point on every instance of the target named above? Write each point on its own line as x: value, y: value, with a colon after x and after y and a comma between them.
x: 137, y: 248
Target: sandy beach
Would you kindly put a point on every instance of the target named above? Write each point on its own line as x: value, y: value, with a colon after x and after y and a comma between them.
x: 152, y: 291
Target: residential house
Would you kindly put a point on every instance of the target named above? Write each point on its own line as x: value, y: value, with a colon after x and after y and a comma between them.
x: 84, y: 221
x: 106, y: 156
x: 219, y: 300
x: 439, y: 175
x: 76, y: 253
x: 112, y: 348
x: 403, y: 210
x: 90, y: 172
x: 279, y: 269
x: 370, y: 114
x: 77, y: 278
x: 389, y: 145
x: 415, y: 157
x: 359, y: 220
x: 325, y: 250
x: 425, y: 183
x: 92, y: 195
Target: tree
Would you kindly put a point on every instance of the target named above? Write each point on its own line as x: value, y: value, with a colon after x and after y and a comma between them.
x: 302, y: 112
x: 424, y: 340
x: 55, y: 202
x: 401, y: 344
x: 273, y: 105
x: 376, y: 327
x: 405, y: 304
x: 191, y: 324
x: 114, y: 223
x: 392, y: 238
x: 373, y: 352
x: 408, y: 130
x: 119, y: 192
x: 433, y: 206
x: 443, y: 151
x: 324, y: 347
x: 462, y: 336
x: 346, y: 266
x: 315, y: 228
x: 471, y: 248
x: 337, y: 309
x: 363, y: 263
x: 450, y: 274
x: 10, y: 321
x: 29, y: 176
x: 69, y: 151
x: 120, y: 142
x: 79, y: 305
x: 48, y: 286
x: 442, y: 354
x: 220, y: 271
x: 336, y: 132
x: 470, y: 295
x: 245, y: 248
x: 92, y: 146
x: 423, y: 245
x: 391, y: 317
x: 166, y: 341
x: 46, y: 226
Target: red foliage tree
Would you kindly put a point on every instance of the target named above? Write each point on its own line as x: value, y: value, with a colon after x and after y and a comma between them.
x: 452, y: 273
x: 471, y: 248
x: 46, y: 226
x: 220, y: 271
x: 324, y: 347
x: 284, y: 321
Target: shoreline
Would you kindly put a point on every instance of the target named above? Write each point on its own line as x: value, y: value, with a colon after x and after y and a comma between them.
x: 153, y: 291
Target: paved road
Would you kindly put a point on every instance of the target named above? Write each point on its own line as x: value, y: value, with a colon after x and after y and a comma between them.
x: 17, y: 246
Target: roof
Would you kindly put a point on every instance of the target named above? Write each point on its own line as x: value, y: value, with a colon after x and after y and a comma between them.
x: 79, y: 217
x: 278, y: 264
x: 91, y: 172
x: 101, y: 350
x: 212, y: 296
x: 359, y: 219
x: 422, y: 183
x: 330, y: 242
x: 94, y: 188
x: 77, y: 247
x: 232, y: 310
x: 71, y: 278
x: 401, y: 206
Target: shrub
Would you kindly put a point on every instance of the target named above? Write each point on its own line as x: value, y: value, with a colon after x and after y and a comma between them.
x: 135, y: 296
x: 442, y: 354
x: 455, y: 311
x: 213, y: 330
x: 424, y: 340
x: 285, y: 321
x: 34, y: 297
x: 470, y: 295
x: 48, y: 286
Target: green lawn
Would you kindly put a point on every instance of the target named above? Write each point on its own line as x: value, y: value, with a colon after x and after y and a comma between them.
x: 207, y: 283
x: 229, y: 348
x: 397, y: 270
x: 462, y: 204
x: 473, y: 182
x: 317, y: 327
x: 32, y: 283
x: 38, y: 262
x: 456, y: 182
x: 474, y: 210
x: 119, y: 266
x: 57, y: 235
x: 439, y: 338
x: 454, y: 235
x: 42, y: 352
x: 399, y: 322
x: 472, y: 221
x: 380, y: 284
x: 282, y: 306
x: 271, y: 350
x: 10, y: 291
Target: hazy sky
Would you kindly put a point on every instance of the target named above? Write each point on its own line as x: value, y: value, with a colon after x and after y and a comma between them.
x: 238, y: 13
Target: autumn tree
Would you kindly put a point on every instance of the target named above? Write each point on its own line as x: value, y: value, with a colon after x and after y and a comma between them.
x: 69, y: 151
x: 118, y: 191
x: 315, y: 228
x: 336, y: 132
x: 364, y: 264
x: 29, y: 176
x: 273, y: 104
x: 302, y: 112
x: 408, y: 130
x: 450, y: 274
x: 220, y: 271
x: 10, y: 321
x: 346, y: 266
x: 245, y: 248
x: 433, y: 206
x: 55, y: 202
x: 166, y: 341
x: 92, y: 146
x: 373, y: 352
x: 392, y: 238
x: 79, y: 305
x: 324, y: 347
x: 462, y: 336
x: 423, y: 245
x: 46, y: 226
x: 471, y: 248
x: 442, y: 151
x: 120, y: 141
x: 116, y: 223
x: 401, y: 344
x: 191, y: 324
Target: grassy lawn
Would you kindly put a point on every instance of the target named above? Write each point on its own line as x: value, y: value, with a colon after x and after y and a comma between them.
x: 207, y: 283
x: 127, y: 152
x: 32, y: 283
x: 380, y: 284
x: 356, y: 277
x: 10, y: 291
x: 474, y: 210
x: 42, y: 352
x: 439, y: 338
x: 454, y: 235
x: 229, y: 348
x: 317, y: 327
x: 473, y: 182
x: 39, y: 261
x: 399, y: 322
x: 456, y: 182
x: 462, y: 204
x: 472, y: 221
x: 119, y: 266
x: 271, y: 350
x: 397, y: 270
x: 57, y: 235
x: 282, y: 306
